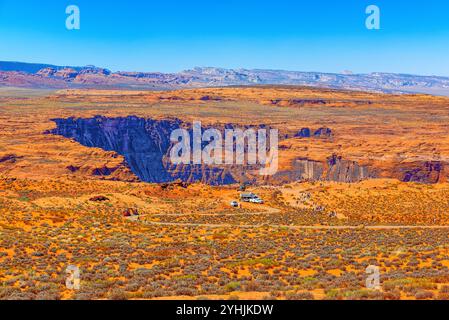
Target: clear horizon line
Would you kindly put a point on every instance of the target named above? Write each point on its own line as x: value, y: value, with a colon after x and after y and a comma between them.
x: 237, y: 68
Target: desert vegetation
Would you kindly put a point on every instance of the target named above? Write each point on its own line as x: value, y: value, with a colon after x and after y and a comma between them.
x: 63, y: 204
x: 45, y: 228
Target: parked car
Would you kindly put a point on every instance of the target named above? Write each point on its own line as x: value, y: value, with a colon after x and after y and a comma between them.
x: 256, y: 200
x: 246, y: 197
x: 234, y: 204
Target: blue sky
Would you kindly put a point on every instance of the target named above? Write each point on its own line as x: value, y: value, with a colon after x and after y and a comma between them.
x: 328, y: 36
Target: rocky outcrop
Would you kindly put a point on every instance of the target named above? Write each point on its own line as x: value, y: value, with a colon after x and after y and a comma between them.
x: 323, y: 133
x: 303, y: 133
x: 12, y: 158
x: 295, y: 102
x: 342, y: 170
x: 334, y: 169
x: 423, y: 172
x: 319, y: 133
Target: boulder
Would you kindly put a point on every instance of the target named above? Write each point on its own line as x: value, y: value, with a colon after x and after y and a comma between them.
x: 323, y: 133
x: 303, y: 133
x: 99, y: 199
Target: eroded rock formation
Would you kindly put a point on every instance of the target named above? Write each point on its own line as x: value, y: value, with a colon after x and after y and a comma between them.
x: 145, y: 144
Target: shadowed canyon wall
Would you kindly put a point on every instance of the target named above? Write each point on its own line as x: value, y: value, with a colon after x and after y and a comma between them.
x: 145, y: 144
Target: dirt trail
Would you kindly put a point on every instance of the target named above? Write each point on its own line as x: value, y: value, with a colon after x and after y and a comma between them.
x: 245, y: 226
x: 270, y: 210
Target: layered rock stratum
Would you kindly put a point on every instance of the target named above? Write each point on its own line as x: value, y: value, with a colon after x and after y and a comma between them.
x: 50, y: 76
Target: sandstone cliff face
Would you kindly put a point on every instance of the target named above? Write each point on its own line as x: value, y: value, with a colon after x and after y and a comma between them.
x: 334, y: 169
x: 346, y: 171
x: 145, y: 144
x: 142, y: 142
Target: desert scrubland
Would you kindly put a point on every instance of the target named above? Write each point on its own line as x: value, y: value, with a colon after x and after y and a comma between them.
x: 367, y: 186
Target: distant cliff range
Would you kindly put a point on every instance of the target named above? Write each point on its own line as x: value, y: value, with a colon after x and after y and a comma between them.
x: 31, y: 75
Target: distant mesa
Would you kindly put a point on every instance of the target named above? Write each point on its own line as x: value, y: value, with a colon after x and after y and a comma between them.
x: 31, y: 75
x: 47, y: 72
x: 72, y: 73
